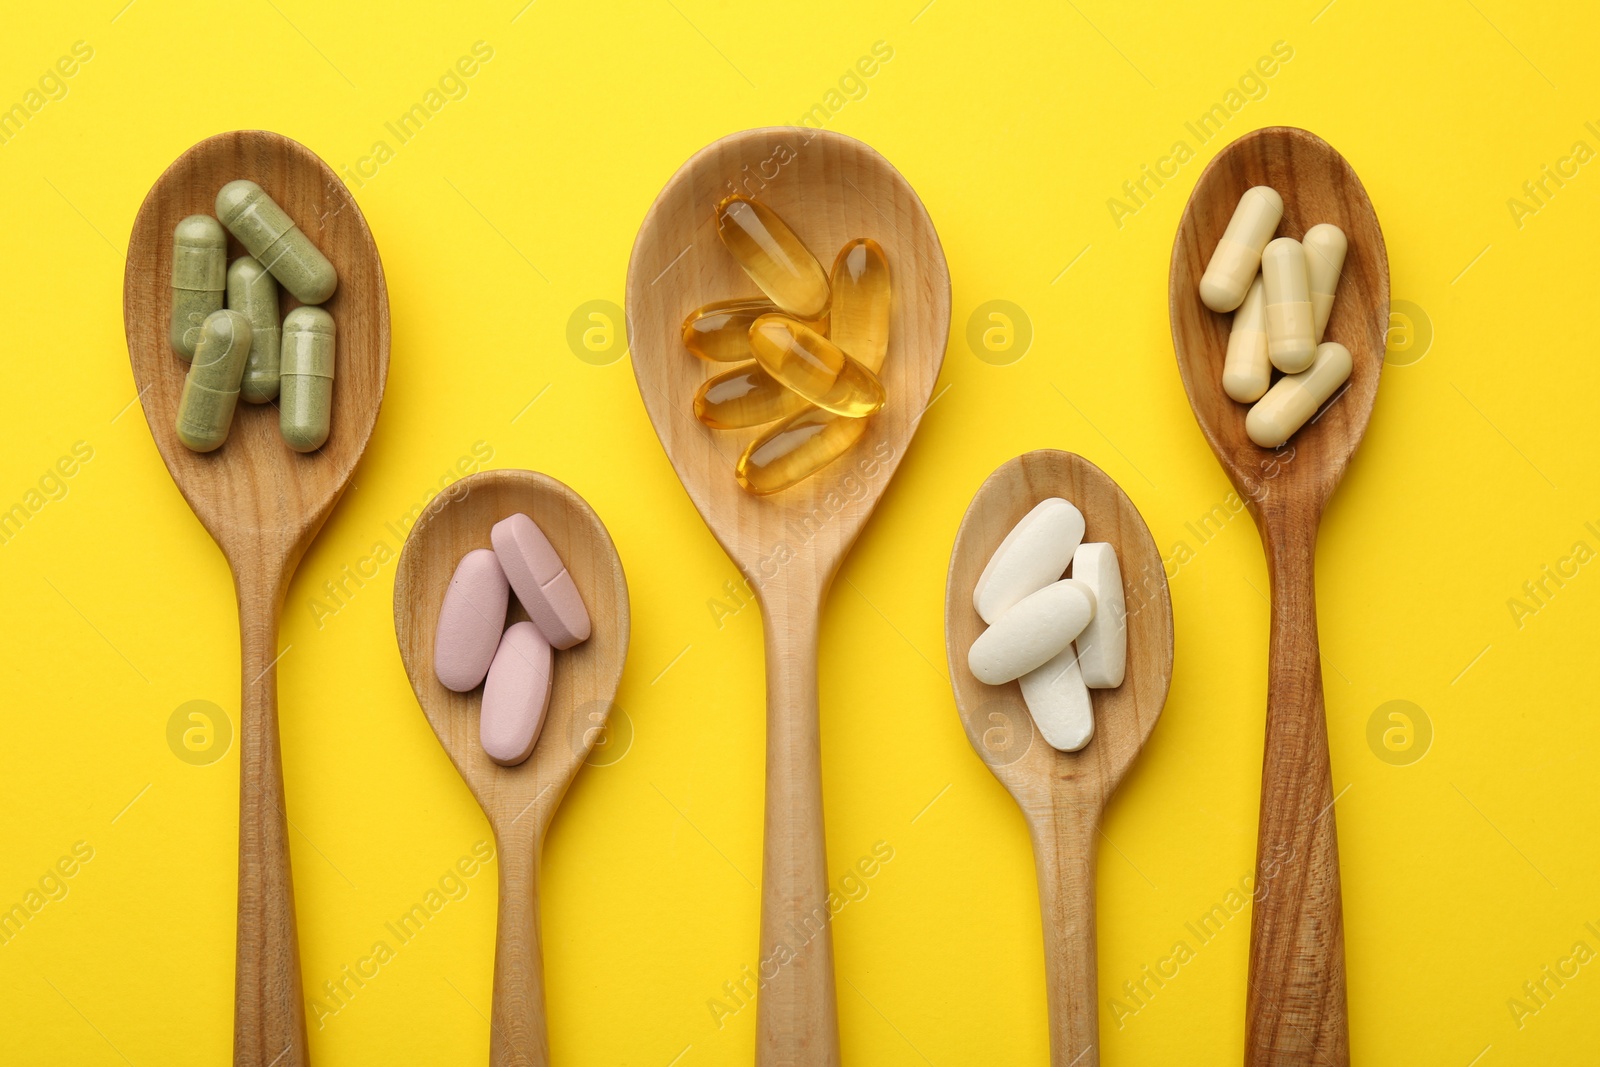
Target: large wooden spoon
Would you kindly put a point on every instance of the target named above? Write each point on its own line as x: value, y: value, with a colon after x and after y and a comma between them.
x: 830, y: 189
x: 1062, y: 794
x: 263, y: 504
x: 520, y: 801
x: 1296, y: 1003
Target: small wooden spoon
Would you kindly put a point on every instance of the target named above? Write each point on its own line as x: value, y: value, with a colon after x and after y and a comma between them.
x: 1296, y: 1002
x: 520, y: 801
x: 829, y: 189
x: 1062, y: 794
x: 263, y: 504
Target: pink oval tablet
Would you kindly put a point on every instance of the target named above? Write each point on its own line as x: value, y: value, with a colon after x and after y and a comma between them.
x: 540, y: 581
x: 516, y: 695
x: 470, y: 621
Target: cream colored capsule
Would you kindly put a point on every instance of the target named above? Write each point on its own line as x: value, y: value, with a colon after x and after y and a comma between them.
x: 1238, y: 254
x: 1247, y: 371
x: 1325, y: 246
x: 1290, y: 344
x: 1296, y: 397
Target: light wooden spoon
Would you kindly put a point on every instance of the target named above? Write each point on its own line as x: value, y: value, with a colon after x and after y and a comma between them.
x: 830, y: 189
x: 520, y: 801
x: 263, y: 504
x: 1062, y: 794
x: 1295, y: 1010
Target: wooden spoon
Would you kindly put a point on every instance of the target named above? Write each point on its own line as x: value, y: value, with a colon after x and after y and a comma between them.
x: 830, y: 189
x: 1062, y: 794
x: 1296, y: 1001
x: 263, y: 504
x: 520, y: 801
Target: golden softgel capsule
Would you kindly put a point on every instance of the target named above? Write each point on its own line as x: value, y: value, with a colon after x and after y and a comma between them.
x: 859, y: 320
x: 811, y: 365
x: 776, y: 260
x: 796, y: 450
x: 720, y: 332
x: 745, y: 396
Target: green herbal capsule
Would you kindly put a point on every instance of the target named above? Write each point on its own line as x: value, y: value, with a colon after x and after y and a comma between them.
x: 199, y: 273
x: 305, y: 392
x: 211, y: 391
x: 270, y: 235
x: 253, y: 293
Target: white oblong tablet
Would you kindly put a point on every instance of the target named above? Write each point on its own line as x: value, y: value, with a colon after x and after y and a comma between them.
x: 470, y: 621
x: 1032, y: 632
x: 1034, y: 554
x: 1059, y: 702
x: 1102, y: 648
x: 516, y: 695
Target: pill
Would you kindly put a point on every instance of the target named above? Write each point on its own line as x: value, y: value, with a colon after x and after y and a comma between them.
x: 1103, y: 646
x: 774, y: 258
x: 540, y: 580
x: 1294, y: 398
x: 515, y: 695
x: 1238, y: 254
x: 253, y: 293
x: 305, y: 382
x: 1290, y: 345
x: 270, y: 235
x: 859, y: 319
x: 1059, y: 702
x: 745, y: 396
x: 811, y: 365
x: 1247, y: 371
x: 1325, y: 246
x: 794, y: 451
x: 470, y: 621
x: 211, y: 389
x: 1034, y: 554
x: 199, y: 279
x: 1037, y: 627
x: 720, y: 332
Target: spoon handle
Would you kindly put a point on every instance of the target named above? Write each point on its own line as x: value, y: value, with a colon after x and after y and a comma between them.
x: 517, y: 1035
x: 796, y: 1015
x: 1064, y: 856
x: 1295, y: 1012
x: 269, y: 1025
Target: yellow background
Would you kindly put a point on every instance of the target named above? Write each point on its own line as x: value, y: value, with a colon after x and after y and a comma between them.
x: 1465, y: 873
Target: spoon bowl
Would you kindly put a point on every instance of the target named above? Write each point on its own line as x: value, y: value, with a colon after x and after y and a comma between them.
x: 519, y: 801
x: 1063, y: 795
x: 263, y: 504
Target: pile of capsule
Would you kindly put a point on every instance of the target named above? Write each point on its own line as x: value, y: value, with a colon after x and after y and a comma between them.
x: 808, y: 354
x: 242, y: 349
x: 1283, y: 291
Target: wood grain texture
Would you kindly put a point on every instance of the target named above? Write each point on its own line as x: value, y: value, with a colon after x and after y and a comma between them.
x: 1295, y: 1013
x: 519, y: 801
x: 829, y: 189
x: 1063, y: 795
x: 263, y: 504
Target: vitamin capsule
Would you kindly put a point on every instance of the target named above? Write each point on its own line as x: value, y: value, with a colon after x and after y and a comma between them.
x: 1238, y: 254
x: 252, y: 292
x: 1032, y: 633
x: 470, y: 621
x: 516, y: 695
x: 776, y: 260
x: 1325, y: 246
x: 859, y: 319
x: 796, y: 450
x: 211, y: 390
x: 1290, y: 345
x: 720, y: 332
x: 745, y: 396
x: 1296, y: 397
x: 269, y: 234
x: 1034, y: 554
x: 1059, y: 702
x: 811, y: 365
x: 305, y: 383
x: 539, y: 578
x: 1247, y: 371
x: 1103, y: 646
x: 199, y: 279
